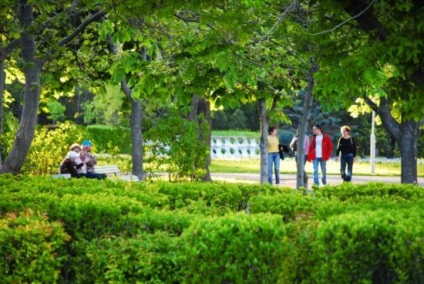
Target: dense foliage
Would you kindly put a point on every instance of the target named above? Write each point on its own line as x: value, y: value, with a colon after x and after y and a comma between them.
x: 125, y: 232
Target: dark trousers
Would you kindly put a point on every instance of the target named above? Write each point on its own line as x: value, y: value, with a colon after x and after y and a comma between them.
x: 346, y: 161
x: 93, y: 175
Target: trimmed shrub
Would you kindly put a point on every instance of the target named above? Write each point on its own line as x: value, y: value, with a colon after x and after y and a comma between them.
x: 29, y: 248
x: 287, y: 204
x: 364, y: 247
x: 233, y: 249
x: 141, y: 259
x: 195, y: 232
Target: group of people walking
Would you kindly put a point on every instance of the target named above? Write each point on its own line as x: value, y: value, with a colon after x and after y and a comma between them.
x: 80, y: 162
x: 318, y: 150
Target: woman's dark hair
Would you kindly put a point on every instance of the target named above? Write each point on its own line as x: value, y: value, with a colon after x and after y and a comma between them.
x: 272, y: 128
x: 317, y: 126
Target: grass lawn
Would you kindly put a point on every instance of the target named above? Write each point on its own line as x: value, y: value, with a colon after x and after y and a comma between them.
x: 289, y: 166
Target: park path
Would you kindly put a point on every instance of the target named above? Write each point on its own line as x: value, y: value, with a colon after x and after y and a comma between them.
x: 289, y: 180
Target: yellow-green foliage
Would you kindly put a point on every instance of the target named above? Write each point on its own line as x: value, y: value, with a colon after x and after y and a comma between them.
x: 29, y: 248
x: 225, y: 233
x: 49, y: 147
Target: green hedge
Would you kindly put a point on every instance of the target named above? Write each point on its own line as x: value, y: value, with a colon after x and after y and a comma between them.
x: 234, y: 249
x: 383, y: 246
x: 162, y: 232
x: 140, y: 259
x: 30, y: 248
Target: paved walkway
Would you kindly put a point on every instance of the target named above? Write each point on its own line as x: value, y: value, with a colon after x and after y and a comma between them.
x: 290, y: 179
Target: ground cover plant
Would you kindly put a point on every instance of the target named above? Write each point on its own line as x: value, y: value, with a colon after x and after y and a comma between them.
x: 84, y: 231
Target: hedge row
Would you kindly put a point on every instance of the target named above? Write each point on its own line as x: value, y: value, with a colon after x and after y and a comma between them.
x: 110, y: 231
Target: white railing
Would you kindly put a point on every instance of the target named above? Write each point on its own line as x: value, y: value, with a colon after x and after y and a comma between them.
x: 235, y: 147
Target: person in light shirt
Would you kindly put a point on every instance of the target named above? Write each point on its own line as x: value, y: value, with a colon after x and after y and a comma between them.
x: 72, y: 163
x: 320, y: 150
x: 273, y: 155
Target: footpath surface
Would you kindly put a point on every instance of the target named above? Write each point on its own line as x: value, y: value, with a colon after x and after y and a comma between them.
x: 289, y: 180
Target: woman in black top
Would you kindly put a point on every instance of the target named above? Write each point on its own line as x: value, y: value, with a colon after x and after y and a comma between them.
x: 347, y: 148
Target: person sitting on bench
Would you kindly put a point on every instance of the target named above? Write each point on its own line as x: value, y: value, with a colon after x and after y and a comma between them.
x: 72, y: 163
x: 90, y: 161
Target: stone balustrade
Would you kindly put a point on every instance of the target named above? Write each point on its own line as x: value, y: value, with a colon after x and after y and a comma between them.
x: 234, y: 147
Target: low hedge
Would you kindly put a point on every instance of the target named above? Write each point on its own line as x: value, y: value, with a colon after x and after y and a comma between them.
x: 30, y: 245
x: 384, y: 246
x: 233, y: 249
x: 215, y: 232
x: 144, y: 258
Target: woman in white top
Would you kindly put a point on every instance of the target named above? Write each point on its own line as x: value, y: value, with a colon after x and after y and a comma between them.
x: 72, y: 163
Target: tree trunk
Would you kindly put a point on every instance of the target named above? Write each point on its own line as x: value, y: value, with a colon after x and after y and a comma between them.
x: 135, y: 122
x: 406, y: 134
x: 2, y: 87
x: 263, y: 142
x: 28, y: 122
x: 136, y: 133
x: 408, y: 148
x: 307, y: 106
x: 201, y: 106
x: 136, y: 139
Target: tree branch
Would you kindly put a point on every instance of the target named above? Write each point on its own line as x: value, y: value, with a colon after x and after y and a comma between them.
x: 280, y: 19
x: 97, y: 16
x: 70, y: 10
x: 9, y: 48
x: 390, y: 124
x: 347, y: 20
x: 188, y: 16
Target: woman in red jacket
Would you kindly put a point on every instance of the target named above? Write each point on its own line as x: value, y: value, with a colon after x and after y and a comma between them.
x: 320, y: 151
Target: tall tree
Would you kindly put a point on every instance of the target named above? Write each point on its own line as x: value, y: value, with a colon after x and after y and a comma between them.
x: 37, y: 46
x: 374, y: 50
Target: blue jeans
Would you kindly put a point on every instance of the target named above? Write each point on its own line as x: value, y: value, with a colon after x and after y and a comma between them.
x: 323, y: 164
x: 346, y: 160
x: 274, y: 159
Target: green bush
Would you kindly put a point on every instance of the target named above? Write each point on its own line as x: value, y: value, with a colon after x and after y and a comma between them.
x: 29, y: 248
x: 288, y: 204
x: 49, y: 147
x: 190, y: 232
x: 233, y: 249
x: 182, y: 154
x: 382, y: 246
x: 356, y: 193
x: 108, y: 139
x: 140, y: 259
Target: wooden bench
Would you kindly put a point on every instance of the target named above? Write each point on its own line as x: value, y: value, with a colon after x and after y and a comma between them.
x: 114, y: 170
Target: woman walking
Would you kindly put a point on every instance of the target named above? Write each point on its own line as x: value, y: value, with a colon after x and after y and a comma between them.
x: 346, y: 148
x: 273, y: 155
